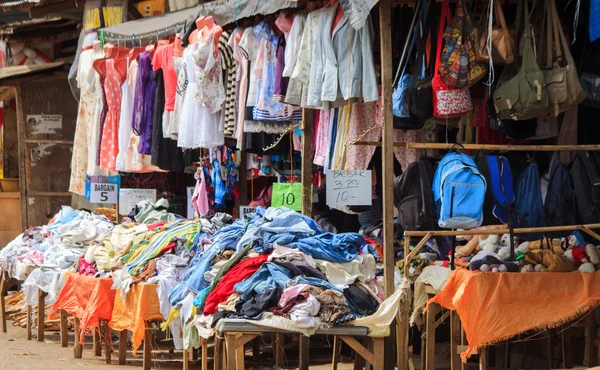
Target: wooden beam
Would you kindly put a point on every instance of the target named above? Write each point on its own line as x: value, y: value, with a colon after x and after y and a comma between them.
x: 52, y: 8
x: 358, y: 348
x: 430, y: 330
x: 107, y: 341
x: 307, y: 160
x: 22, y: 155
x: 2, y: 301
x: 442, y: 318
x: 505, y: 148
x: 96, y: 345
x: 186, y: 358
x: 278, y: 348
x: 335, y: 357
x: 304, y: 358
x: 230, y: 351
x: 414, y: 252
x: 204, y: 345
x: 28, y: 322
x: 501, y: 230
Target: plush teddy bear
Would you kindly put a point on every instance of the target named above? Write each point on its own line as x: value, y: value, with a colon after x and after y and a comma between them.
x: 489, y: 243
x: 583, y: 255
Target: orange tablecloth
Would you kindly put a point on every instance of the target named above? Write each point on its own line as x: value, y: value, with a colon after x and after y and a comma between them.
x: 141, y: 305
x: 87, y: 298
x: 496, y: 306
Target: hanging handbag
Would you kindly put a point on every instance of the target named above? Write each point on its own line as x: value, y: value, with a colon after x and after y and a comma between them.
x: 399, y: 105
x: 562, y: 83
x: 448, y: 102
x: 418, y: 94
x: 458, y: 66
x: 523, y: 96
x: 502, y: 41
x: 591, y: 86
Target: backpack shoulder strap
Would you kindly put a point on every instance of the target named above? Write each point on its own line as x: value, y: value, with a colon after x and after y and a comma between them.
x: 501, y: 183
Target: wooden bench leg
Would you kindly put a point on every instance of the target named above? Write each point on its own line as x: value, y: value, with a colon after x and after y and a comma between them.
x: 230, y: 350
x: 304, y: 351
x: 204, y: 344
x: 64, y: 329
x: 147, y: 361
x: 186, y: 358
x: 482, y: 358
x: 240, y: 356
x: 122, y: 347
x: 41, y: 315
x: 590, y: 338
x: 96, y: 345
x: 107, y: 347
x: 279, y: 354
x: 378, y: 353
x: 455, y: 362
x: 336, y: 353
x: 430, y: 343
x: 218, y: 357
x: 3, y: 302
x: 256, y: 352
x: 28, y: 322
x: 77, y: 348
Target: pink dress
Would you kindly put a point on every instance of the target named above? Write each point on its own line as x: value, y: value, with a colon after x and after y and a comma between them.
x: 110, y: 133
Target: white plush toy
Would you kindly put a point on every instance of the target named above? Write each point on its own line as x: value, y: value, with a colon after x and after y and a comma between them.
x: 490, y: 243
x: 587, y: 255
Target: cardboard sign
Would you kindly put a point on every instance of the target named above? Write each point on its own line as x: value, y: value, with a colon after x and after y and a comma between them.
x: 104, y: 192
x: 287, y: 195
x: 129, y: 198
x: 244, y: 210
x: 349, y: 188
x: 190, y: 209
x: 89, y: 180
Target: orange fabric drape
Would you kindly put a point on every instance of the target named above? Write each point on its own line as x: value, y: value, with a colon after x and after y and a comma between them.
x: 497, y: 306
x: 141, y: 305
x: 87, y: 298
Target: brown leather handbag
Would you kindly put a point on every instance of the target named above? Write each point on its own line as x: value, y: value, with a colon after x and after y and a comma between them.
x: 562, y: 83
x: 502, y: 40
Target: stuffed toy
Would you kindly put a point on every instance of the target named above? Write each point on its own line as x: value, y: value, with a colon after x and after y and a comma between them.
x: 490, y: 243
x: 583, y: 255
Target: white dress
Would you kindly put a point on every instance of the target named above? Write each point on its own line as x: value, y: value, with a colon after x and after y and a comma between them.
x: 125, y: 126
x: 198, y: 127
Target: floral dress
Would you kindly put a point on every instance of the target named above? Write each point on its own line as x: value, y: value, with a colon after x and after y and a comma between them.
x: 110, y: 134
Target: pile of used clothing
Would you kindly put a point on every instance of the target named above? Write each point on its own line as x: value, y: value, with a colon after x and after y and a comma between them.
x: 280, y: 268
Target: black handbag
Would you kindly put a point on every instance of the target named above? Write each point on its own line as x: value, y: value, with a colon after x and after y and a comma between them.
x: 591, y: 86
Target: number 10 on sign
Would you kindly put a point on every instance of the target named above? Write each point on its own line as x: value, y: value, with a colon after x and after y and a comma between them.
x: 287, y: 195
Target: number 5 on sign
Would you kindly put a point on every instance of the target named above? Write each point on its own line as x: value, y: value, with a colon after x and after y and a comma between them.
x: 287, y: 195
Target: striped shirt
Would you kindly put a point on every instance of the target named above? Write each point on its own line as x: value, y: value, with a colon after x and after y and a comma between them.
x: 229, y: 68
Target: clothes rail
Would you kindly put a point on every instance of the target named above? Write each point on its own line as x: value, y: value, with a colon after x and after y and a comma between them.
x: 144, y: 38
x: 508, y: 147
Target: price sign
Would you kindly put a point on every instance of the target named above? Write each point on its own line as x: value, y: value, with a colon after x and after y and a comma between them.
x: 287, y: 195
x: 103, y: 192
x: 349, y: 188
x: 244, y: 210
x: 190, y: 209
x: 129, y: 198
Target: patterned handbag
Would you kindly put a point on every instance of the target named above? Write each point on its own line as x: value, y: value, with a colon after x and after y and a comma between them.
x: 448, y: 101
x: 459, y: 67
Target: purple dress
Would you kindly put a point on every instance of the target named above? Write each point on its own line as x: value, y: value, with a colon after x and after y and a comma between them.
x: 281, y: 83
x: 145, y: 89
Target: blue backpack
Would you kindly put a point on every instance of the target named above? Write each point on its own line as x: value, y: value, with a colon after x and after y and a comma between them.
x: 529, y: 208
x: 560, y: 205
x: 501, y: 185
x: 458, y: 191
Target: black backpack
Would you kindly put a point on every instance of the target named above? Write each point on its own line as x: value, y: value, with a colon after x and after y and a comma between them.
x: 585, y: 173
x: 559, y: 206
x: 414, y: 196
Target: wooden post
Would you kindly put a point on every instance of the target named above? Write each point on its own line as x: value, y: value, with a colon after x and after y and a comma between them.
x: 455, y: 362
x: 3, y: 278
x: 590, y: 338
x: 122, y: 347
x: 107, y: 338
x: 22, y: 155
x: 96, y: 345
x: 147, y: 361
x: 279, y: 354
x: 204, y: 344
x: 230, y: 350
x: 186, y: 358
x: 307, y: 160
x: 217, y: 356
x: 28, y: 322
x: 304, y: 351
x: 378, y: 354
x: 430, y: 343
x: 240, y: 356
x: 41, y: 315
x: 64, y: 329
x: 335, y: 357
x: 483, y: 358
x: 77, y: 348
x: 256, y: 352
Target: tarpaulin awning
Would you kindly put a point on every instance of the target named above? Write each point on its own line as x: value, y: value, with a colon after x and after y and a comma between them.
x: 224, y: 12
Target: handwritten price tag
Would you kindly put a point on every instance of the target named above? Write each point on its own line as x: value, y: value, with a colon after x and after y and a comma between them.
x: 349, y: 188
x: 287, y: 195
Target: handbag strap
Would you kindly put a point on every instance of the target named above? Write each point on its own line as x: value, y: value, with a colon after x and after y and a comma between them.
x: 499, y: 15
x: 443, y: 15
x: 529, y: 60
x: 408, y: 48
x: 561, y: 36
x: 421, y: 29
